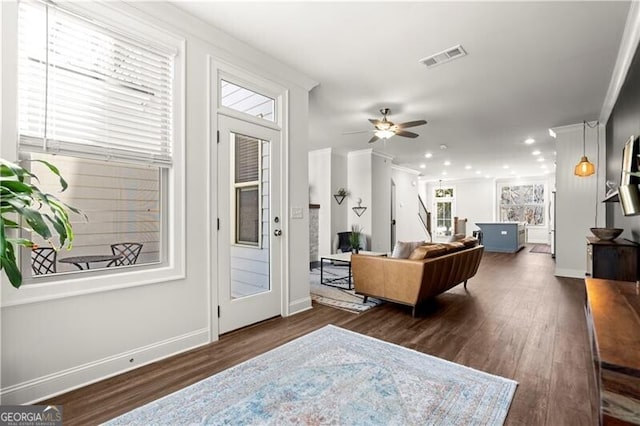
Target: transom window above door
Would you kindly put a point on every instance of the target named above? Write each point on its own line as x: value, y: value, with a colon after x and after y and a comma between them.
x: 247, y: 101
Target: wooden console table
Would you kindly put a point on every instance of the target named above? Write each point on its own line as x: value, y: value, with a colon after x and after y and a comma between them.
x: 613, y: 260
x: 612, y: 309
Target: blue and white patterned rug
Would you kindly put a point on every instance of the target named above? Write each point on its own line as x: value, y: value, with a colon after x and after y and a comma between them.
x: 336, y: 376
x: 338, y: 294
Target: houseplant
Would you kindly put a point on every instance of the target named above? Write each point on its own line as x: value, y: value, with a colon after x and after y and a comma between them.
x: 354, y: 238
x: 24, y: 206
x: 340, y: 195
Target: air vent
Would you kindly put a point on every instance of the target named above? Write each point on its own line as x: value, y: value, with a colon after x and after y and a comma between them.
x: 444, y: 56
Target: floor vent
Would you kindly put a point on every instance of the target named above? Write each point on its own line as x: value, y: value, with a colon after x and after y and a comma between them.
x: 447, y: 55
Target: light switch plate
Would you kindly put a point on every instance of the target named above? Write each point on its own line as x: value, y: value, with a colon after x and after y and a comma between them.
x: 297, y: 213
x: 503, y: 232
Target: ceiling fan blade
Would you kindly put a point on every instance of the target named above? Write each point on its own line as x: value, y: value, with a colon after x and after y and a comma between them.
x: 411, y: 124
x: 373, y: 139
x: 356, y: 131
x: 374, y: 121
x: 406, y: 134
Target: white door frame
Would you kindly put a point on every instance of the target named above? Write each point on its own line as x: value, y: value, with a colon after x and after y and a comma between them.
x: 217, y: 69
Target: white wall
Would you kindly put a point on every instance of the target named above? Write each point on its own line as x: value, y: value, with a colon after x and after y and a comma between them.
x: 359, y: 175
x: 577, y: 200
x: 54, y: 345
x: 475, y: 200
x: 380, y: 203
x: 408, y: 225
x: 320, y: 192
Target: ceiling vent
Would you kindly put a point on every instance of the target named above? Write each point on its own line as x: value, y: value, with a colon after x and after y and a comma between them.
x: 447, y: 55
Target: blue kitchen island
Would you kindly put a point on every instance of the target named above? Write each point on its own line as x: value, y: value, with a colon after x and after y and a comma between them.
x: 503, y: 237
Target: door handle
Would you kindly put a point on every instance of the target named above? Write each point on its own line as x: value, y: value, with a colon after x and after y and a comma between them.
x: 277, y: 232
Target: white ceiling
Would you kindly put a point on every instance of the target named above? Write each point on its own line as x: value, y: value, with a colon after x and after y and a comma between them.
x: 530, y: 66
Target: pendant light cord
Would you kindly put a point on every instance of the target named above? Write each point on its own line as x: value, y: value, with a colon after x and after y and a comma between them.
x: 597, y: 126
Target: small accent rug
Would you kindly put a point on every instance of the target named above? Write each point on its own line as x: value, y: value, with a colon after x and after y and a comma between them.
x: 336, y: 376
x: 338, y: 295
x: 541, y: 248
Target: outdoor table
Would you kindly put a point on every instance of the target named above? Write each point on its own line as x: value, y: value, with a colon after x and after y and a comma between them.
x: 88, y: 259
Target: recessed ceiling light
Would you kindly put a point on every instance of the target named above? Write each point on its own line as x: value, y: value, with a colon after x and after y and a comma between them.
x: 428, y: 155
x: 487, y: 176
x: 505, y: 166
x: 544, y: 166
x: 512, y: 172
x: 540, y: 159
x: 423, y: 166
x: 444, y: 173
x: 546, y: 172
x: 552, y: 133
x: 478, y: 172
x: 467, y: 167
x: 536, y: 152
x: 447, y: 163
x: 443, y: 146
x: 529, y: 141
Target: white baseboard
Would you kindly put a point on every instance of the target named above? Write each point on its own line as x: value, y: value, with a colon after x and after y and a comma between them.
x: 299, y: 305
x: 569, y: 273
x: 60, y: 382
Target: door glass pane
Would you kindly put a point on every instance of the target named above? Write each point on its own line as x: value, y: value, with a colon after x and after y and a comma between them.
x: 250, y: 236
x: 248, y: 215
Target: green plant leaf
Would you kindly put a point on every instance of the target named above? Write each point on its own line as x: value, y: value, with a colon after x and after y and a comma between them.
x: 55, y: 171
x: 10, y: 266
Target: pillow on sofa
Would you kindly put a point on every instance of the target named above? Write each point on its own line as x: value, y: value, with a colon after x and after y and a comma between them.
x: 403, y: 249
x: 428, y: 252
x: 456, y: 237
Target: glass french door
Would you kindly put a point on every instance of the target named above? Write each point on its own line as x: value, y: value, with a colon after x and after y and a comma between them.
x: 249, y: 231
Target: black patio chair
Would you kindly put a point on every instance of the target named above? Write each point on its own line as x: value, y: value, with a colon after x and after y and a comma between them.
x: 128, y: 251
x: 43, y: 260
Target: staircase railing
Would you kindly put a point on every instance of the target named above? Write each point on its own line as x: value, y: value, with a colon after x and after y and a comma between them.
x: 425, y: 216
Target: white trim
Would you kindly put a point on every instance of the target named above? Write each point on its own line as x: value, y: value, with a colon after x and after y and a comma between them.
x: 300, y: 305
x: 50, y: 385
x: 212, y: 198
x: 626, y: 53
x: 321, y: 151
x: 405, y: 169
x: 366, y: 151
x: 570, y: 273
x: 382, y: 155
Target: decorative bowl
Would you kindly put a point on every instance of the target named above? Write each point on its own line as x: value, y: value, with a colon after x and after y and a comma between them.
x: 606, y: 234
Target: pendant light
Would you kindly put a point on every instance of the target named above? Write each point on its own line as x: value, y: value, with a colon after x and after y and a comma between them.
x: 584, y: 168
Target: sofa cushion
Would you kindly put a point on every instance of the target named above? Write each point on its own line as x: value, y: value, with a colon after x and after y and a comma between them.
x: 469, y: 241
x: 428, y: 252
x: 453, y: 247
x: 403, y: 249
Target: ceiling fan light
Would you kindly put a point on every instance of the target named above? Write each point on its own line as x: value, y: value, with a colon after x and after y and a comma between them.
x: 584, y: 167
x: 384, y: 134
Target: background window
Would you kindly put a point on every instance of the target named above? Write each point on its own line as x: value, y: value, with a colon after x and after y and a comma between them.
x: 443, y: 200
x: 522, y: 203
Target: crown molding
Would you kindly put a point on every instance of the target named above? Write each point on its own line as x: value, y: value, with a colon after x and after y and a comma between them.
x: 626, y: 53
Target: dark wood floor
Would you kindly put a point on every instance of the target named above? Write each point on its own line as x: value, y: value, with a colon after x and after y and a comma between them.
x: 517, y: 320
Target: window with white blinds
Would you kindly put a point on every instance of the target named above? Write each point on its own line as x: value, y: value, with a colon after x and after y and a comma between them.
x: 90, y: 91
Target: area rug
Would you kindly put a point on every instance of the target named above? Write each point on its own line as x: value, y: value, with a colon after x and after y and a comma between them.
x: 336, y: 376
x: 338, y: 294
x: 541, y: 248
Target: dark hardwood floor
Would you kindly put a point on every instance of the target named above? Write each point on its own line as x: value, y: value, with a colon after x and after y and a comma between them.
x: 517, y: 320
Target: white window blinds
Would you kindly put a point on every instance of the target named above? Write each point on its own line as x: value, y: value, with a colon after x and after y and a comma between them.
x: 89, y: 91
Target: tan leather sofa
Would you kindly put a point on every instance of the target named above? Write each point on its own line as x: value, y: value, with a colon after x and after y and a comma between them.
x: 410, y: 282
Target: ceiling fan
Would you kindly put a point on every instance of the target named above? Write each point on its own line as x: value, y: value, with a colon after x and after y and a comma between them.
x: 384, y: 129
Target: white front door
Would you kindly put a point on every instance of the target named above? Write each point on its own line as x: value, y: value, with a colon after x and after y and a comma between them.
x: 249, y: 228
